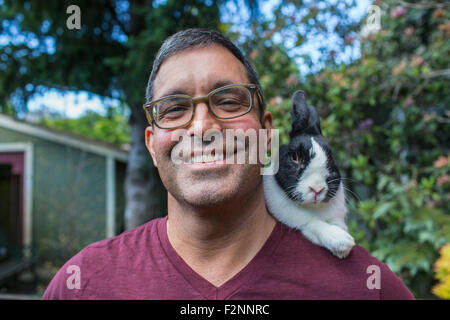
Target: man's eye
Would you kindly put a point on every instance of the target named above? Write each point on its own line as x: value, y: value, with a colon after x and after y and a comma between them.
x: 229, y: 105
x: 229, y: 102
x: 225, y: 103
x: 173, y: 111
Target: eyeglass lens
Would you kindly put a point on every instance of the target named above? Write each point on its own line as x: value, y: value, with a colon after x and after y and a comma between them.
x: 226, y: 103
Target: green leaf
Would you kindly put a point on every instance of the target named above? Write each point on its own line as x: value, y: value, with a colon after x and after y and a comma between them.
x: 382, y: 209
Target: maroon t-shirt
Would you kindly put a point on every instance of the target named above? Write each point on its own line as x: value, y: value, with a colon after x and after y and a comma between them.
x: 142, y: 264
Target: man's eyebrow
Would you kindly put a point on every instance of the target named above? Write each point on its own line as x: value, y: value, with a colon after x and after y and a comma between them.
x: 173, y: 91
x: 219, y: 84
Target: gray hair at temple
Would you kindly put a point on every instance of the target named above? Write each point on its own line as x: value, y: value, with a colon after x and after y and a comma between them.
x: 198, y: 38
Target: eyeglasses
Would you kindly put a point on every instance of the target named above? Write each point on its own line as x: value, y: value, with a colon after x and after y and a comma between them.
x: 228, y: 102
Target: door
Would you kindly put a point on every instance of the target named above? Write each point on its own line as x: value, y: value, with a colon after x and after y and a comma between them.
x: 11, y: 204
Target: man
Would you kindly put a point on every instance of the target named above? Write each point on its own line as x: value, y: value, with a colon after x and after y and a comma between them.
x: 218, y: 240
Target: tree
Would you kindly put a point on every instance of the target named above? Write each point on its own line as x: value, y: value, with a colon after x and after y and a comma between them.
x: 275, y: 47
x: 386, y: 117
x: 110, y: 55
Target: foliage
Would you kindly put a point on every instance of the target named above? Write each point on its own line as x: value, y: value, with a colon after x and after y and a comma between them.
x: 108, y: 56
x: 272, y: 44
x: 442, y: 269
x: 111, y: 128
x: 386, y: 117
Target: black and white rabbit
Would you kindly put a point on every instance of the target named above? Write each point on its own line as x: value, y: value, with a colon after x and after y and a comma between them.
x: 307, y: 193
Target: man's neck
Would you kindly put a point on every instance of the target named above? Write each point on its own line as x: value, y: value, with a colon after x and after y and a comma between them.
x: 218, y: 242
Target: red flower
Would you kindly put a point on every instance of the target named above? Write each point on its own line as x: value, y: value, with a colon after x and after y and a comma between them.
x: 409, y: 31
x: 440, y: 162
x: 398, y: 12
x: 408, y: 102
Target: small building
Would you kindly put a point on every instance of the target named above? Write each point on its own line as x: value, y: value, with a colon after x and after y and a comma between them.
x: 58, y: 192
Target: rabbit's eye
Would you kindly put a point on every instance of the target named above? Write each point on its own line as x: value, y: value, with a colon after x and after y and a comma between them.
x: 294, y: 157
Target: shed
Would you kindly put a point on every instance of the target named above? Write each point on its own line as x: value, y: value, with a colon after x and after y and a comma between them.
x: 58, y: 192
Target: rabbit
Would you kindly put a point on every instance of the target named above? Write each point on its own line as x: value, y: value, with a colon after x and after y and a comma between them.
x: 307, y: 193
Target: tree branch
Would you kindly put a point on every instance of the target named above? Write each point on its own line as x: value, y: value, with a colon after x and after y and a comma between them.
x: 437, y: 73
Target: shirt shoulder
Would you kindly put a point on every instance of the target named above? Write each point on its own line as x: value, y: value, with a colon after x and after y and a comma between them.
x: 358, y: 276
x: 99, y: 260
x: 380, y: 276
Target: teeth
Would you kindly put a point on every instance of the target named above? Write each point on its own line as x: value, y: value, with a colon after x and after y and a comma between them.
x: 206, y: 158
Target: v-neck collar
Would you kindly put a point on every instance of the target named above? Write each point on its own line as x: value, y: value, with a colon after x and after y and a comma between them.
x: 244, y: 276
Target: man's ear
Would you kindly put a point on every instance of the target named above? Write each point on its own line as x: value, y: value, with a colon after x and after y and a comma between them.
x: 149, y: 143
x: 267, y: 122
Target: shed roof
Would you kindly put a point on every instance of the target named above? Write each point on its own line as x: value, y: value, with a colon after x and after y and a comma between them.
x: 59, y: 136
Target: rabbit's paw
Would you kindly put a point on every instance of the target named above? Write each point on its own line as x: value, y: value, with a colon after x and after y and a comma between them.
x: 338, y: 241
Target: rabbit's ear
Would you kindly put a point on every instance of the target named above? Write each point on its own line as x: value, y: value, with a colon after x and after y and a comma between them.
x: 299, y: 103
x: 305, y: 119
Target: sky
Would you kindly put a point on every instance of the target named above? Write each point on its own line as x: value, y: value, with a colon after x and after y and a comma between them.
x: 70, y: 104
x: 75, y: 104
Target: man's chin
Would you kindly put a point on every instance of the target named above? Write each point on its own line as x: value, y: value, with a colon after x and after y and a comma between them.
x: 214, y: 188
x: 208, y: 193
x: 207, y: 198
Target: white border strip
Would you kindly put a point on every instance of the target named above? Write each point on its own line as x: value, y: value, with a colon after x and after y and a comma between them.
x: 110, y: 197
x: 27, y: 148
x: 19, y: 126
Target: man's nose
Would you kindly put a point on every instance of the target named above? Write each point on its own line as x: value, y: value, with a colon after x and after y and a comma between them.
x: 203, y: 120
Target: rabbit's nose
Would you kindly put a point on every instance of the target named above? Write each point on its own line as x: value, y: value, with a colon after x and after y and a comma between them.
x: 315, y: 191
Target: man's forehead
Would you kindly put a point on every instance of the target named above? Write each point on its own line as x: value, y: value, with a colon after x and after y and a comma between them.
x: 189, y: 87
x: 198, y: 70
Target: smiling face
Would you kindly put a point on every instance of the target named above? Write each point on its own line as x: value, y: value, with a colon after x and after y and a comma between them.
x: 196, y: 72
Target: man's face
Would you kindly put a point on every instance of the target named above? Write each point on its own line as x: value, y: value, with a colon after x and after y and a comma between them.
x: 197, y: 72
